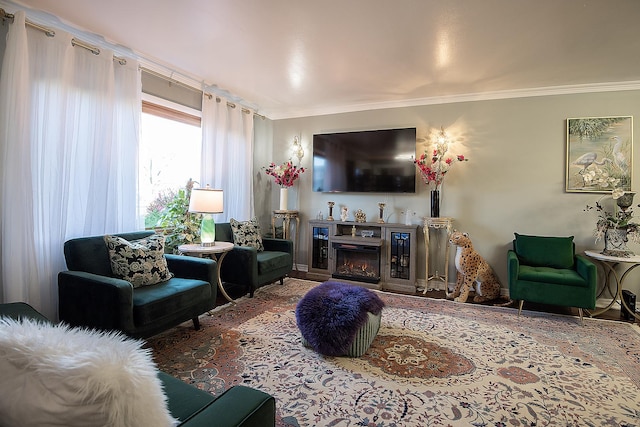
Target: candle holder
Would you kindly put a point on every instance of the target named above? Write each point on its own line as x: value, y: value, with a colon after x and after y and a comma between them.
x: 330, y: 204
x: 381, y: 217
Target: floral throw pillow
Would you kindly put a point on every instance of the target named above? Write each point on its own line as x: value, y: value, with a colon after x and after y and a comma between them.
x: 140, y: 262
x: 247, y: 233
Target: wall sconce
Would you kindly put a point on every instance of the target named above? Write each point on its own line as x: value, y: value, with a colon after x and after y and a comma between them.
x: 442, y: 138
x: 296, y: 149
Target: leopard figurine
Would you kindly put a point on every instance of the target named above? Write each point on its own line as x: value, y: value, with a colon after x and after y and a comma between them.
x: 474, y: 273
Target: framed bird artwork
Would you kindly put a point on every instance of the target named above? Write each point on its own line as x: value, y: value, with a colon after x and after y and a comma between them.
x: 599, y: 154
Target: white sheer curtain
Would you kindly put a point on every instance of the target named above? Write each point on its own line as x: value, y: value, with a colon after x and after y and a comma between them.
x: 227, y: 156
x: 69, y: 135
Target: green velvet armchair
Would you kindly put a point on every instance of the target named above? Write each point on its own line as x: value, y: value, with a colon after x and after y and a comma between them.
x: 90, y: 295
x: 249, y: 268
x: 547, y: 270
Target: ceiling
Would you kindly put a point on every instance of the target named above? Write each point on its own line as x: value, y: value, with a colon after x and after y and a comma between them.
x: 292, y: 58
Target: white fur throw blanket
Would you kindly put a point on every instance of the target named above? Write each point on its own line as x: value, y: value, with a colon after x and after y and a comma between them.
x: 54, y: 375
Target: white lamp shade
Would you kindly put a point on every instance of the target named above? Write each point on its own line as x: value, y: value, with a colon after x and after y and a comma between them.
x: 206, y: 200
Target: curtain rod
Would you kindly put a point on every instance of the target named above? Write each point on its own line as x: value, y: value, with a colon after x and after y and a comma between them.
x: 232, y: 105
x: 51, y: 33
x: 96, y: 51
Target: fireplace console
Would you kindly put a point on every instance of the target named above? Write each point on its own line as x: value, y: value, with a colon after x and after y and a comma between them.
x: 375, y: 255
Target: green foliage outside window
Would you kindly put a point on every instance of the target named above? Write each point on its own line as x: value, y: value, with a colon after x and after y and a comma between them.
x: 170, y: 212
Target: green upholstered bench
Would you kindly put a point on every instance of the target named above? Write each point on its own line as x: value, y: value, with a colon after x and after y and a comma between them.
x: 238, y: 406
x: 363, y: 337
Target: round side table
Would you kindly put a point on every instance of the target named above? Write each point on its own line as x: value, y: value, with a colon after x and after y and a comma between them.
x: 218, y: 250
x: 609, y: 264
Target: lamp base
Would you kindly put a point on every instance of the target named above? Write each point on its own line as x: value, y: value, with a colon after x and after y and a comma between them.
x: 207, y: 231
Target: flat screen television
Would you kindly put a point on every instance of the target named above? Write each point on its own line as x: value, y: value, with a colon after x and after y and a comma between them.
x: 372, y: 161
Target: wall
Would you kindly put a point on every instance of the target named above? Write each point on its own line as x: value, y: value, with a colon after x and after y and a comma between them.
x: 513, y: 181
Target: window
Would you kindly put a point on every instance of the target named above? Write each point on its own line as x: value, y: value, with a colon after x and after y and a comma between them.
x: 170, y: 146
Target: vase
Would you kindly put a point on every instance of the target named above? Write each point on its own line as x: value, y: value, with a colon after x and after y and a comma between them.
x: 435, y: 203
x: 625, y: 201
x: 615, y: 243
x: 284, y: 198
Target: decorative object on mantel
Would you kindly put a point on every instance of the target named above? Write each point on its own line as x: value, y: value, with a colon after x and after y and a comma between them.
x: 616, y: 227
x: 408, y: 215
x: 434, y: 167
x: 344, y: 213
x: 360, y: 216
x: 381, y: 208
x: 285, y: 176
x: 331, y: 205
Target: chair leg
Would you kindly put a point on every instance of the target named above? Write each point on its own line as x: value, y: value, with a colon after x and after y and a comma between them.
x: 281, y: 281
x: 581, y: 318
x: 196, y: 323
x: 520, y: 307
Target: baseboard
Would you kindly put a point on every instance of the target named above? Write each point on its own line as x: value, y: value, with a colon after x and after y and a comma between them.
x: 439, y: 286
x: 301, y: 267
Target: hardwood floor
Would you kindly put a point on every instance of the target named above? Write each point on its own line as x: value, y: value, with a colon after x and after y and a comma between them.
x: 612, y: 314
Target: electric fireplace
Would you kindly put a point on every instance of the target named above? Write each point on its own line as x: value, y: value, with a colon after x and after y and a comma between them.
x: 358, y: 262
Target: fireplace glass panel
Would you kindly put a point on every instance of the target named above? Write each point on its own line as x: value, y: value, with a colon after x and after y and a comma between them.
x: 320, y: 249
x: 400, y: 255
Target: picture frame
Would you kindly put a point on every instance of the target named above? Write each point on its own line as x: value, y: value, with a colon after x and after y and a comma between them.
x: 599, y: 154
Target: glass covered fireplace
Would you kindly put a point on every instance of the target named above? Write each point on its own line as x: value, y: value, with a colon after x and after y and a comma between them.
x: 357, y: 262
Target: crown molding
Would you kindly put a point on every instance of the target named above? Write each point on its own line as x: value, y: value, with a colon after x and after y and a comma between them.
x: 450, y: 99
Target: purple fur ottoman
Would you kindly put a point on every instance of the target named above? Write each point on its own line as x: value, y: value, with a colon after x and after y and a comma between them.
x: 338, y: 319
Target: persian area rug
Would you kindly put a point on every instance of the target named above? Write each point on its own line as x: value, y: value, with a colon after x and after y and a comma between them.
x: 433, y: 363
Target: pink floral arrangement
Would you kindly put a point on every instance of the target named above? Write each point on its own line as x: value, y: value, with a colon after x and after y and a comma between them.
x: 434, y: 168
x: 285, y: 174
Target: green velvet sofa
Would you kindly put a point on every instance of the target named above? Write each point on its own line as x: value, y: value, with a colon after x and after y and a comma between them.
x: 547, y: 270
x: 238, y: 406
x: 249, y: 268
x: 89, y: 294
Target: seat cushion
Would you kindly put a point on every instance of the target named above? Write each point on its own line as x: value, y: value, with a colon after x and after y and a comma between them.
x: 140, y: 262
x: 272, y: 260
x: 151, y: 303
x: 556, y: 252
x: 560, y: 276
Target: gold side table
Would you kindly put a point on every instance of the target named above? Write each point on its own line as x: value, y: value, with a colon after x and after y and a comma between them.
x: 286, y: 217
x: 219, y: 251
x: 437, y: 225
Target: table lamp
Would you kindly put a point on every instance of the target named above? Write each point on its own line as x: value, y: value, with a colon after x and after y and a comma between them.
x: 206, y: 201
